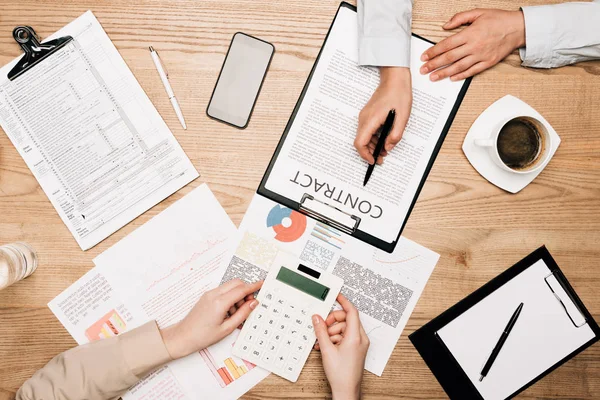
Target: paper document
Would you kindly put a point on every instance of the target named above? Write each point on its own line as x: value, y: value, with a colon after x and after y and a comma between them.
x: 90, y: 135
x: 542, y: 336
x: 384, y: 287
x: 318, y: 156
x: 158, y: 272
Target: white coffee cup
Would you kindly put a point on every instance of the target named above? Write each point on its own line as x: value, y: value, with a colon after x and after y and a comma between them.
x: 543, y: 152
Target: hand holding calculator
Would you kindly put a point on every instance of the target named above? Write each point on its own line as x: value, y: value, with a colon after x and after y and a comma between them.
x: 278, y: 335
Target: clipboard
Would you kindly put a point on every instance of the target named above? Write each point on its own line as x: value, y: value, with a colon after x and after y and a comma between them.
x: 443, y: 363
x: 326, y: 212
x: 35, y: 52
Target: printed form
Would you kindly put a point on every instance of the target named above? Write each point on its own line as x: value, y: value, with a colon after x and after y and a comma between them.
x: 158, y: 272
x: 383, y: 287
x: 90, y: 135
x: 318, y: 156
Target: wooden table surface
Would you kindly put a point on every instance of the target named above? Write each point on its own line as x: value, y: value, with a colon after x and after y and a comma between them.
x: 478, y: 229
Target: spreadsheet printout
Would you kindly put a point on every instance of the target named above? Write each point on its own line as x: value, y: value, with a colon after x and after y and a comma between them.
x: 90, y: 135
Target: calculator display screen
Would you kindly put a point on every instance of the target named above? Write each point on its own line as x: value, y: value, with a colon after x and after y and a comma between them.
x: 302, y: 283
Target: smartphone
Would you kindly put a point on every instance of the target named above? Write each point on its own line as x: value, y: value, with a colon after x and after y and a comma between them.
x: 240, y: 80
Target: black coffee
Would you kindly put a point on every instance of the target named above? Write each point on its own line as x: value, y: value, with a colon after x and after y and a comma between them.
x: 519, y: 143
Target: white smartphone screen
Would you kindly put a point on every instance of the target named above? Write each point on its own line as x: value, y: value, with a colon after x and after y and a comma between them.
x: 240, y: 80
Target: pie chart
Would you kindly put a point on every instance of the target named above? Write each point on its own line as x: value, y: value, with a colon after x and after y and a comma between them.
x: 288, y: 225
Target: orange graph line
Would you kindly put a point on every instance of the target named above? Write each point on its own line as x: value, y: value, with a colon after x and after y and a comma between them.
x: 397, y: 262
x: 210, y: 244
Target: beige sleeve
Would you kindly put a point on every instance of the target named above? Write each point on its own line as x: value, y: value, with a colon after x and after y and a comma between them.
x: 100, y: 370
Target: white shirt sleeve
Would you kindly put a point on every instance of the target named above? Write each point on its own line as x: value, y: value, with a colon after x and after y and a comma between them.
x: 561, y: 34
x: 384, y: 32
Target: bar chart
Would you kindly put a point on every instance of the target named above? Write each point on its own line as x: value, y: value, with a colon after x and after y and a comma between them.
x: 223, y: 365
x: 328, y: 235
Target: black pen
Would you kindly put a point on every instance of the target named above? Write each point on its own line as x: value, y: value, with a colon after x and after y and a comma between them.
x: 498, y: 347
x: 385, y: 130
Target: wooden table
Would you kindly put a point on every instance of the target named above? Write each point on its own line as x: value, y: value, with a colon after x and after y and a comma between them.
x: 478, y: 229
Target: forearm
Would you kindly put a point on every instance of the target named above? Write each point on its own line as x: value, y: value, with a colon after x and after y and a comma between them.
x: 384, y: 31
x: 100, y: 370
x: 350, y: 394
x: 561, y: 34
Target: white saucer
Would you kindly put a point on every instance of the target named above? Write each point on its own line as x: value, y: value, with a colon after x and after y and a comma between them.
x: 503, y: 109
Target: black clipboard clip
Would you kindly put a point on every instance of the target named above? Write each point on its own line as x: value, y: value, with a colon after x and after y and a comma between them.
x: 328, y: 214
x: 567, y: 298
x: 34, y: 50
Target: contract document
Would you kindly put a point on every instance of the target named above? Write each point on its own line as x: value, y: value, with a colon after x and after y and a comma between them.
x: 316, y: 155
x: 90, y: 135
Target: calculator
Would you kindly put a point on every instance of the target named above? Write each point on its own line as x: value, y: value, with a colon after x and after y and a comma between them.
x: 278, y: 335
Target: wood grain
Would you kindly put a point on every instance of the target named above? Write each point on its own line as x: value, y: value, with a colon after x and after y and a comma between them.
x: 478, y: 229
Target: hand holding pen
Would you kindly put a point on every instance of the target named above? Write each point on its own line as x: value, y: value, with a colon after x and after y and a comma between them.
x: 383, y: 135
x: 394, y: 92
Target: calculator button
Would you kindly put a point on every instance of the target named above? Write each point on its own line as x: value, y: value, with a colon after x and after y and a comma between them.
x: 277, y: 337
x: 303, y: 313
x: 298, y: 321
x: 259, y: 316
x: 280, y: 302
x: 272, y: 347
x: 293, y: 332
x: 245, y: 348
x: 250, y: 337
x: 288, y: 344
x: 254, y: 326
x: 261, y: 342
x: 290, y: 368
x: 283, y: 353
x: 265, y: 332
x: 280, y: 361
x: 294, y: 359
x: 281, y: 326
x: 269, y: 296
x: 299, y: 347
x: 271, y: 321
x: 264, y: 305
x: 309, y: 327
x: 287, y: 316
x: 267, y: 358
x: 305, y: 337
x: 256, y: 353
x: 276, y: 310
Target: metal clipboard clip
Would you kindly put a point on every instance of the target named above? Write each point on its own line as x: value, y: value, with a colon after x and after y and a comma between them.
x: 564, y: 294
x: 34, y: 50
x: 329, y: 214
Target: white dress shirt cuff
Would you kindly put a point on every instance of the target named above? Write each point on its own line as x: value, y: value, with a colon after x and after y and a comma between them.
x: 385, y: 51
x: 540, y: 26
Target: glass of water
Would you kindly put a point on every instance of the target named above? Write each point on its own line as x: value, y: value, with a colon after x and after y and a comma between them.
x: 17, y: 261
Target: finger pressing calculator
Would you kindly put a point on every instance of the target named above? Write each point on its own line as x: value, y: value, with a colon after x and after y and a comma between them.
x: 278, y: 335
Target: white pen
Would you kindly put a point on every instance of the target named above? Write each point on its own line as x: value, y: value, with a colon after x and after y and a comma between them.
x: 164, y: 77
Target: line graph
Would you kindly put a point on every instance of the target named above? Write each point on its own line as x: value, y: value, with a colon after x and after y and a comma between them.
x: 208, y: 246
x: 370, y: 331
x: 395, y: 262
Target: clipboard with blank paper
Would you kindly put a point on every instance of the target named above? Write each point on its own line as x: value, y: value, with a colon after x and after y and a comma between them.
x: 553, y: 327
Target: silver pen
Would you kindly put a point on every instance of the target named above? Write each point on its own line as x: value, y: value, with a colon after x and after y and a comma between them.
x: 164, y: 77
